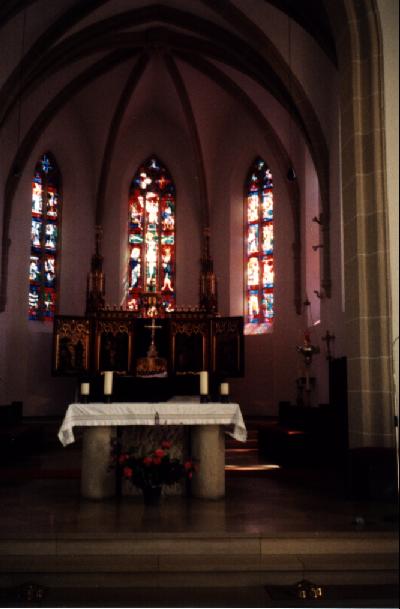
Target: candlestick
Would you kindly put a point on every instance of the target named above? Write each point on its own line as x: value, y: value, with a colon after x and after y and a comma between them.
x: 224, y: 389
x: 224, y: 392
x: 85, y: 388
x: 84, y: 391
x: 108, y: 382
x: 204, y: 397
x: 203, y: 382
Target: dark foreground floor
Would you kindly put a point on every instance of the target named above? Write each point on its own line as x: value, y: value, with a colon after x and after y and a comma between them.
x: 40, y: 499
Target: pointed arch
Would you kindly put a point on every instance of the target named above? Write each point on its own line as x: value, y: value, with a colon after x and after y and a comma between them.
x: 151, y: 240
x: 45, y: 239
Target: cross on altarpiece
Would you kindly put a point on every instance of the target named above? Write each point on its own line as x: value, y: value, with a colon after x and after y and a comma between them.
x: 152, y: 352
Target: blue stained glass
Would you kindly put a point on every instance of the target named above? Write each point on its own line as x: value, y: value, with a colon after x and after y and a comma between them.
x: 50, y: 271
x: 46, y: 164
x: 34, y: 269
x: 44, y: 237
x: 36, y: 234
x: 33, y: 301
x: 267, y: 205
x: 252, y: 239
x: 51, y: 237
x: 268, y: 238
x: 268, y: 306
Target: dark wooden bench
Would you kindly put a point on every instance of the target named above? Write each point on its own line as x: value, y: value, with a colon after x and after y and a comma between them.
x: 300, y: 436
x: 17, y: 438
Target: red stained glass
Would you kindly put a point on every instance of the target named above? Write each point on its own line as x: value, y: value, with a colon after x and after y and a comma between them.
x: 151, y: 235
x: 259, y: 235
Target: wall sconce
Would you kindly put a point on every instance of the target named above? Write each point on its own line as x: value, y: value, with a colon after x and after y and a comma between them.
x: 316, y: 247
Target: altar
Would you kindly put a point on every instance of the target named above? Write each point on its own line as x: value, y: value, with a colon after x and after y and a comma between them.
x: 207, y: 424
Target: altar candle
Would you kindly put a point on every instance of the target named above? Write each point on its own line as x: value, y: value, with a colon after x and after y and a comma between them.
x: 108, y: 382
x: 85, y: 388
x: 204, y: 382
x: 224, y: 389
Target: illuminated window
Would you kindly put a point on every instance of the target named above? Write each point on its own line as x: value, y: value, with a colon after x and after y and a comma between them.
x: 45, y: 229
x: 151, y: 240
x: 259, y: 249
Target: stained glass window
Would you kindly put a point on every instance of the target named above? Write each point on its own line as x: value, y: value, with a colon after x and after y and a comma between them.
x: 151, y: 239
x: 259, y: 249
x: 45, y: 227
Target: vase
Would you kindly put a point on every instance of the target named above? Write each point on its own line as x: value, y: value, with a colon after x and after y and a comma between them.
x: 151, y: 495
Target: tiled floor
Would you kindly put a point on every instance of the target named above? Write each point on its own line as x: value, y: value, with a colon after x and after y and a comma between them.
x: 40, y: 500
x: 259, y: 501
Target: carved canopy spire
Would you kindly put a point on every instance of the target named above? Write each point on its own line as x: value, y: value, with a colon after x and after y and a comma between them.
x: 95, y: 290
x: 208, y: 280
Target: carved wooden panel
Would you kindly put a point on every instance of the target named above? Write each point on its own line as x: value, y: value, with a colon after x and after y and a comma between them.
x: 113, y: 345
x: 227, y: 347
x: 189, y: 340
x: 71, y: 352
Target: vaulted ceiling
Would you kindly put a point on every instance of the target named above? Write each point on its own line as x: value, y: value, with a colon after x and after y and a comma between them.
x: 55, y: 50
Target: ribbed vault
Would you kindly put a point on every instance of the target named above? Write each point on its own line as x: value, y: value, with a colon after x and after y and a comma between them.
x: 133, y: 36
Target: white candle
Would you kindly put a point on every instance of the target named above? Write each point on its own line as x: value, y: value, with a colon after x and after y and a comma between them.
x: 204, y: 382
x: 108, y: 382
x: 224, y: 389
x: 85, y: 388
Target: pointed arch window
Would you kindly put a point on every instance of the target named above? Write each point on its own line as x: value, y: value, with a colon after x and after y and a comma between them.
x: 151, y: 240
x: 45, y: 238
x: 259, y: 249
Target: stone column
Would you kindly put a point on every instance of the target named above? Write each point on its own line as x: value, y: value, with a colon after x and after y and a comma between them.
x: 208, y: 448
x: 97, y: 481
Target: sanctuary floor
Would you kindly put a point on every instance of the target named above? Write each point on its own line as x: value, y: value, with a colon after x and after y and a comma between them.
x: 264, y: 503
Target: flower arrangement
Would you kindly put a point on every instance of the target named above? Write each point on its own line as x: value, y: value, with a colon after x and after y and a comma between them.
x: 154, y: 469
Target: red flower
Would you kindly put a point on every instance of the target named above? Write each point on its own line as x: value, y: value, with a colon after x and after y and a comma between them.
x: 188, y: 465
x: 123, y: 458
x: 159, y: 453
x: 128, y: 472
x: 166, y: 444
x: 147, y: 460
x: 156, y: 460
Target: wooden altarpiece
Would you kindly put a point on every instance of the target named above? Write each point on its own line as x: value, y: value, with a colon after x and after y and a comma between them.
x: 182, y: 344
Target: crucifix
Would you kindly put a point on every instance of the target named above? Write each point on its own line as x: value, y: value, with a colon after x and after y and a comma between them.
x: 152, y: 352
x: 307, y: 350
x: 328, y: 338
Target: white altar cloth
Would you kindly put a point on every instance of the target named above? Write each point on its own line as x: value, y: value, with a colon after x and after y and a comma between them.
x: 174, y: 412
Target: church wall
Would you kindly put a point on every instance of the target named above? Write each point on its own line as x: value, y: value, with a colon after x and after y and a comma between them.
x: 78, y: 142
x: 389, y: 17
x: 270, y: 359
x: 28, y: 345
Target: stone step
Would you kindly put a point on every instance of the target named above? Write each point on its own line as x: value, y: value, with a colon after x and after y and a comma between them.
x: 173, y: 560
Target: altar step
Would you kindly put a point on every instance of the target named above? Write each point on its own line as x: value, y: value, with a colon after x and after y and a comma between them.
x: 177, y: 560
